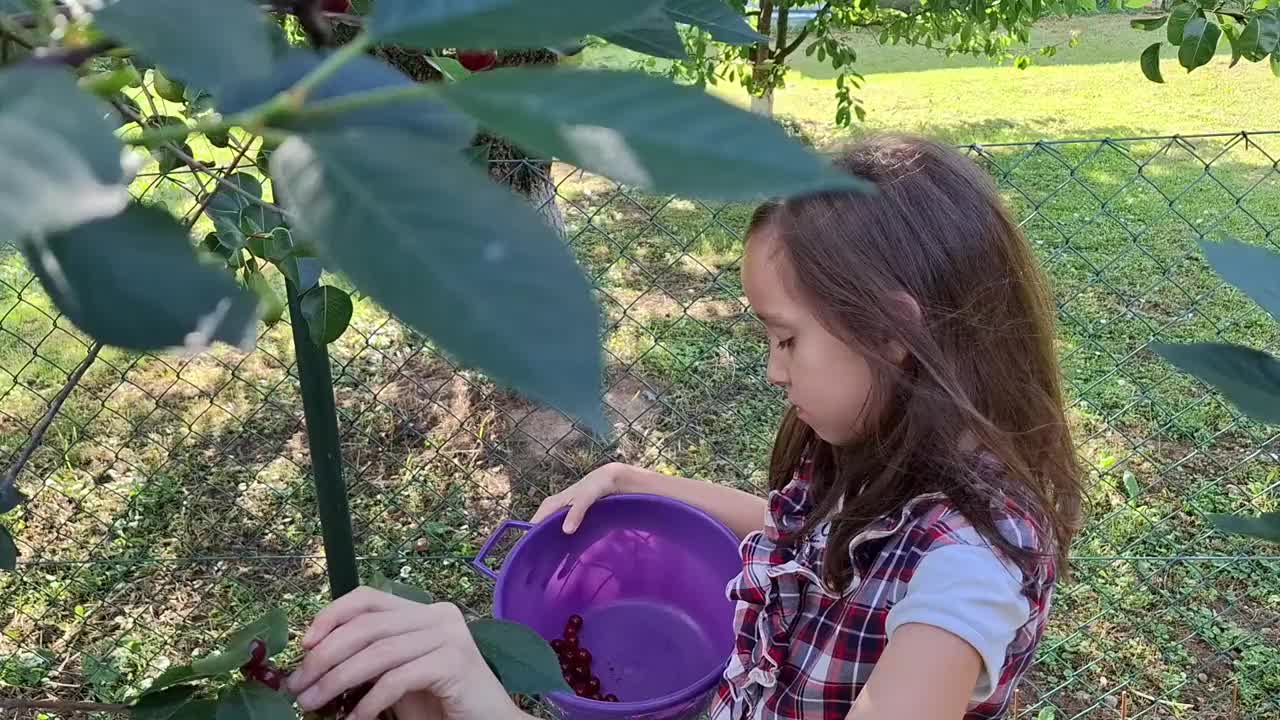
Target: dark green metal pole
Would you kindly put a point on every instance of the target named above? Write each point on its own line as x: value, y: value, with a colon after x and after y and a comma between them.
x: 326, y: 452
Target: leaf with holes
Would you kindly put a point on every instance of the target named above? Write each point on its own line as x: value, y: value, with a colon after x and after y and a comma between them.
x: 251, y: 700
x: 1265, y: 526
x: 425, y: 243
x: 1252, y: 269
x: 272, y: 628
x: 327, y: 310
x: 200, y: 42
x: 1150, y: 63
x: 8, y: 550
x: 523, y: 661
x: 1199, y: 43
x: 647, y: 132
x: 721, y: 21
x: 1249, y: 378
x: 94, y: 275
x: 163, y: 705
x: 63, y: 141
x: 500, y: 24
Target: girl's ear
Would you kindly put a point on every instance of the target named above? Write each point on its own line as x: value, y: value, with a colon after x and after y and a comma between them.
x: 908, y: 310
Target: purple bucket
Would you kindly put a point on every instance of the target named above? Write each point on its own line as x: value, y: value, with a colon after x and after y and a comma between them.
x: 648, y: 575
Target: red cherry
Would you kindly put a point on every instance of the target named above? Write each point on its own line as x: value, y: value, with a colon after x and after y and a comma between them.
x: 575, y: 622
x: 477, y: 60
x: 570, y: 642
x: 593, y: 685
x: 580, y: 689
x: 583, y: 656
x: 558, y: 645
x: 582, y: 672
x: 270, y: 677
x: 335, y: 6
x: 257, y: 653
x: 611, y: 698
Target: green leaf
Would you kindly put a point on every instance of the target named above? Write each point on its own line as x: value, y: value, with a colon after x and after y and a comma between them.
x: 175, y: 675
x: 652, y: 34
x: 1131, y: 486
x: 1199, y: 43
x: 200, y: 710
x: 1150, y: 63
x: 1148, y: 23
x: 399, y: 589
x: 1249, y: 378
x: 1275, y: 63
x: 498, y: 24
x: 60, y: 155
x: 199, y: 42
x: 721, y: 21
x: 134, y: 281
x: 327, y: 310
x: 462, y: 260
x: 1233, y: 38
x: 235, y: 215
x: 272, y: 628
x: 450, y: 68
x: 270, y: 305
x: 1265, y: 526
x: 523, y: 661
x: 1178, y: 18
x: 163, y: 705
x: 8, y: 550
x: 250, y: 700
x: 645, y: 131
x: 1260, y: 37
x: 360, y: 75
x: 1253, y: 269
x: 167, y: 88
x: 10, y: 498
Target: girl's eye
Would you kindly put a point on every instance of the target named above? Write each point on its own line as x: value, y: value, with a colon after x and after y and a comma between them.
x: 784, y: 344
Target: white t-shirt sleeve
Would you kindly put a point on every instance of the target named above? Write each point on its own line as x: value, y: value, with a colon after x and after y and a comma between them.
x: 967, y: 591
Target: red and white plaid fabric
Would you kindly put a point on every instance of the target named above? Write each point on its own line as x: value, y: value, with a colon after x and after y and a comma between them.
x: 804, y: 652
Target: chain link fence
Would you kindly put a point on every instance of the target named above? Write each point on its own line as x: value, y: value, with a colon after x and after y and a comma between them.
x: 170, y: 498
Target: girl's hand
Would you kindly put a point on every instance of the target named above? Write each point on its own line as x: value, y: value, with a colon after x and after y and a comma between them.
x: 419, y: 658
x: 599, y: 483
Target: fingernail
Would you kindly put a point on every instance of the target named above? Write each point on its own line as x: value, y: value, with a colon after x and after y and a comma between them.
x: 291, y: 683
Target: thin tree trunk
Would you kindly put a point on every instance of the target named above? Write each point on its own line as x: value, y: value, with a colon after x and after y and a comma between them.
x: 762, y: 97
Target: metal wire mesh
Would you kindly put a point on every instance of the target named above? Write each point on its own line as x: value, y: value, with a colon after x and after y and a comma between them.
x: 169, y: 500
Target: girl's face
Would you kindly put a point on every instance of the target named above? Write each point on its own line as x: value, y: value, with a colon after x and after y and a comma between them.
x: 828, y: 382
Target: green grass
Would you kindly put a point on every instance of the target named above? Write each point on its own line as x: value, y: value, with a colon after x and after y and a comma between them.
x: 170, y: 501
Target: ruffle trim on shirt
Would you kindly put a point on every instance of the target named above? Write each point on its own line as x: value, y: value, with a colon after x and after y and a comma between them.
x: 774, y: 582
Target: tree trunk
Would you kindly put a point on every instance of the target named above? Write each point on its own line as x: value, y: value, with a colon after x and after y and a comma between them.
x: 508, y: 164
x: 762, y: 85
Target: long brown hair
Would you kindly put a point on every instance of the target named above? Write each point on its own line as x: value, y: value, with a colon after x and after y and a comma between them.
x: 981, y: 379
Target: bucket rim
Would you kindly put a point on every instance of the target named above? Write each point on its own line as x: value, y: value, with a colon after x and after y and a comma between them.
x: 573, y: 702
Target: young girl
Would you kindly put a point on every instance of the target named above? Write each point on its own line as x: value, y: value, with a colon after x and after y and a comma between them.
x: 923, y: 489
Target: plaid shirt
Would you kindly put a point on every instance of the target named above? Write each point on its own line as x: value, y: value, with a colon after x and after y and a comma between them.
x: 803, y: 652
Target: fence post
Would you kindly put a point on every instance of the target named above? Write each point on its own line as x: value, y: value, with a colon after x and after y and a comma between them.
x: 326, y: 452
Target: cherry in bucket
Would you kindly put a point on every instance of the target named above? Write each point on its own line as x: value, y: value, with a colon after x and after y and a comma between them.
x: 575, y: 663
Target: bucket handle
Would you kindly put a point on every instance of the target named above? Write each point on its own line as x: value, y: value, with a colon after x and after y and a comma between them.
x: 478, y: 562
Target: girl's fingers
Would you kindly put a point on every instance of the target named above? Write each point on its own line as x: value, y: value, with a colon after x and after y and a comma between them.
x: 358, y: 601
x: 549, y: 507
x: 577, y: 511
x: 425, y: 673
x: 349, y: 639
x: 367, y: 664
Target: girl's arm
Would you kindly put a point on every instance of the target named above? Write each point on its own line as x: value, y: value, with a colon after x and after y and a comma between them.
x: 925, y: 673
x: 742, y: 512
